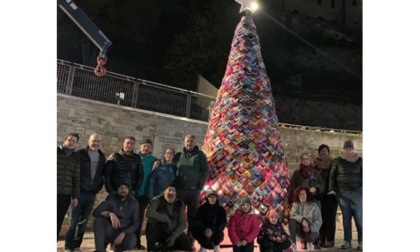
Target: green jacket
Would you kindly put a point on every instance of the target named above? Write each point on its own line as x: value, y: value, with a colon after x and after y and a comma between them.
x: 192, y: 169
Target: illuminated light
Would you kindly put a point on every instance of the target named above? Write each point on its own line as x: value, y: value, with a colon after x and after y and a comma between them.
x: 254, y: 6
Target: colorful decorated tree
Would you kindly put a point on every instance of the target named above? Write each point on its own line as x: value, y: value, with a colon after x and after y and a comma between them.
x: 242, y: 143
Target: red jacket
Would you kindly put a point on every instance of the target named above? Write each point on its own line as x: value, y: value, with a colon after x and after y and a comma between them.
x: 243, y: 227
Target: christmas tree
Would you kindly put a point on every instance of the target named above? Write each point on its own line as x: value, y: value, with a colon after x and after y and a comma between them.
x: 242, y: 143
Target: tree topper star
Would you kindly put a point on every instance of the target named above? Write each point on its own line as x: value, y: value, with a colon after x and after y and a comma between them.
x: 246, y: 5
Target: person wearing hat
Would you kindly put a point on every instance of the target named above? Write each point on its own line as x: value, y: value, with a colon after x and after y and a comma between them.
x: 147, y: 160
x: 209, y: 223
x: 272, y: 236
x: 166, y: 223
x: 243, y: 227
x: 117, y: 219
x: 346, y: 182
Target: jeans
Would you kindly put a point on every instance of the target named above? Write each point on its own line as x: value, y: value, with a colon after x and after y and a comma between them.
x: 63, y: 202
x: 351, y: 205
x: 190, y: 197
x: 296, y: 229
x: 78, y: 218
x: 105, y: 234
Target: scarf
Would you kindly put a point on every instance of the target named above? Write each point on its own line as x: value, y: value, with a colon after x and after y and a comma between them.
x: 306, y: 170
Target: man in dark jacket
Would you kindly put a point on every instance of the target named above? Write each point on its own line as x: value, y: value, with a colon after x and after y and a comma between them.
x: 68, y: 177
x: 123, y: 165
x: 166, y: 223
x: 192, y: 173
x: 346, y: 181
x: 92, y: 163
x: 117, y: 219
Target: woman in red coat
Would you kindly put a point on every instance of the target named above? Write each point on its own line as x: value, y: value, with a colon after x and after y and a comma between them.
x: 243, y: 227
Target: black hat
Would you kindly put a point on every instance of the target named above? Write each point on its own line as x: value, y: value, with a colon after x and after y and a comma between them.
x: 146, y: 141
x: 124, y: 182
x: 172, y: 184
x: 348, y: 144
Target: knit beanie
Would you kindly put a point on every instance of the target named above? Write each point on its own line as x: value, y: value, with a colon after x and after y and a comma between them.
x: 246, y: 200
x: 146, y: 141
x: 348, y: 144
x: 124, y: 182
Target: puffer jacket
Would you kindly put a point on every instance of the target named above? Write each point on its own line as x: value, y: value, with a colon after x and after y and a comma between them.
x: 127, y: 211
x: 87, y: 184
x: 68, y: 173
x: 192, y: 169
x: 243, y: 227
x: 346, y: 175
x: 121, y: 166
x: 309, y: 211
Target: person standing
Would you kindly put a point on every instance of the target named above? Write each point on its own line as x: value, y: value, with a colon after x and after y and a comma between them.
x: 147, y: 160
x: 161, y: 176
x: 68, y: 177
x: 116, y: 220
x: 124, y: 165
x: 92, y: 163
x: 328, y: 202
x: 192, y: 173
x: 346, y: 182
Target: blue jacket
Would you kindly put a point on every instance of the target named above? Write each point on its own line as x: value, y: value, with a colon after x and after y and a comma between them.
x: 160, y: 178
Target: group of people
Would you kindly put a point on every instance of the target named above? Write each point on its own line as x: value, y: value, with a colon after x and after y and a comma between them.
x: 317, y: 188
x: 164, y: 189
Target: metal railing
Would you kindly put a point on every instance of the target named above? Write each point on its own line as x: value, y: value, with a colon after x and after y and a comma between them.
x: 79, y: 80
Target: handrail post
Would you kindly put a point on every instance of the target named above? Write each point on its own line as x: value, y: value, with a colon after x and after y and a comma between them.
x: 188, y: 108
x: 70, y: 78
x: 135, y: 94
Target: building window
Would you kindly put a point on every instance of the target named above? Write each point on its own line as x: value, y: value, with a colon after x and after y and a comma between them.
x: 319, y: 2
x: 333, y: 4
x: 354, y: 2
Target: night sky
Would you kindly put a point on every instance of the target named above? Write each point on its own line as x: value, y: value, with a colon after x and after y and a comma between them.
x: 171, y: 41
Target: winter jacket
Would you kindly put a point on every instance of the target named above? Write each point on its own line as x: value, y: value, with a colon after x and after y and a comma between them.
x: 159, y: 178
x: 147, y: 162
x: 87, y: 184
x: 173, y: 221
x: 121, y: 166
x: 269, y: 232
x: 126, y: 210
x: 210, y: 216
x: 309, y: 211
x: 346, y: 175
x: 299, y: 180
x: 192, y: 169
x: 243, y: 227
x: 68, y: 173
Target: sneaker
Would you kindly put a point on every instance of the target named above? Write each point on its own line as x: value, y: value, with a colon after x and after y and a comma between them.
x: 293, y: 247
x: 202, y: 249
x: 317, y: 247
x: 141, y: 247
x: 311, y: 247
x: 77, y: 250
x: 346, y: 245
x: 304, y: 245
x: 360, y: 247
x: 216, y: 248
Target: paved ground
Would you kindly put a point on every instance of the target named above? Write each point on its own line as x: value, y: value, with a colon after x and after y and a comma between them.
x: 88, y: 244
